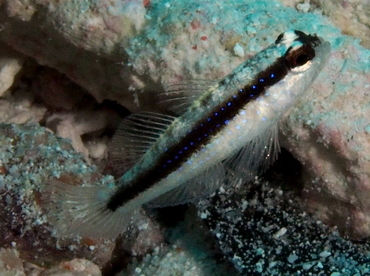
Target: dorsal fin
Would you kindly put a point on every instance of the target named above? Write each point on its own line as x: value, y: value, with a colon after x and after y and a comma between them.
x: 134, y: 136
x: 178, y: 97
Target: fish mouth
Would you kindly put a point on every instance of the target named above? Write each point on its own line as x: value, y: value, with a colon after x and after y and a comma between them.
x: 322, y: 49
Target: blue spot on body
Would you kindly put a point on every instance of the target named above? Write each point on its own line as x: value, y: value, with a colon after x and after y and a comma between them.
x: 191, y: 143
x: 216, y: 113
x: 241, y: 90
x: 229, y: 104
x: 226, y: 122
x: 254, y: 87
x: 272, y: 75
x: 208, y: 119
x: 261, y: 80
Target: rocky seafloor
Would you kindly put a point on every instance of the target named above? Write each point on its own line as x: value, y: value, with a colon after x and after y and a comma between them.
x: 67, y: 67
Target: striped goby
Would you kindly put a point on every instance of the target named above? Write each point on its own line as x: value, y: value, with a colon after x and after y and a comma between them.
x: 223, y: 135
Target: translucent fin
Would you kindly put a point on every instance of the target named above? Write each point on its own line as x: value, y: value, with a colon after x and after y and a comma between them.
x: 179, y: 97
x: 76, y: 210
x: 192, y: 190
x: 134, y: 137
x: 253, y: 159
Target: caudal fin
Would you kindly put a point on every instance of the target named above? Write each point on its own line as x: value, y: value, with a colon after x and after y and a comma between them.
x: 82, y: 210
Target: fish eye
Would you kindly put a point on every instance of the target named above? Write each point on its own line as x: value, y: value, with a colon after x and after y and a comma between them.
x: 302, y: 59
x: 297, y: 57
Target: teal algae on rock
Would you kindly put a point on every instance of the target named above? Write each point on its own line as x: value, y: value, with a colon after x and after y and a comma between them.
x: 177, y: 40
x: 29, y: 156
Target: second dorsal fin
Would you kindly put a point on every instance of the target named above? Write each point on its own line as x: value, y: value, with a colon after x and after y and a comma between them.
x: 134, y: 137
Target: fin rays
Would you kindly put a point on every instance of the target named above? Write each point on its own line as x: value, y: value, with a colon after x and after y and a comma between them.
x: 134, y: 137
x: 82, y: 210
x: 195, y: 188
x: 178, y: 97
x: 253, y: 159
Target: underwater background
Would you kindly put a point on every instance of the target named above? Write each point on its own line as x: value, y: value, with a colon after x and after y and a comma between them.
x: 74, y: 69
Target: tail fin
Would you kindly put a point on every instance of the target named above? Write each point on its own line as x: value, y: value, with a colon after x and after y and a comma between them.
x: 82, y: 210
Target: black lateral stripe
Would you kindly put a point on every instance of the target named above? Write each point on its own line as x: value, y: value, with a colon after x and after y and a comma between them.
x: 200, y: 135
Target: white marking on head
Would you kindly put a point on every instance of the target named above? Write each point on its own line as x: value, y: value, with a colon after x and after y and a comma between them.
x: 289, y: 37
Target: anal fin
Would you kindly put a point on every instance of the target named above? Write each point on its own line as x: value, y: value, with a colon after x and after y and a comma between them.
x: 192, y: 190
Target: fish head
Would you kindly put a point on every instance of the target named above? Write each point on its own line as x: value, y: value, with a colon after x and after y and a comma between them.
x: 303, y: 58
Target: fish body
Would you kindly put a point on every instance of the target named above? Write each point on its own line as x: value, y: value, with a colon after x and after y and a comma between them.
x: 222, y: 136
